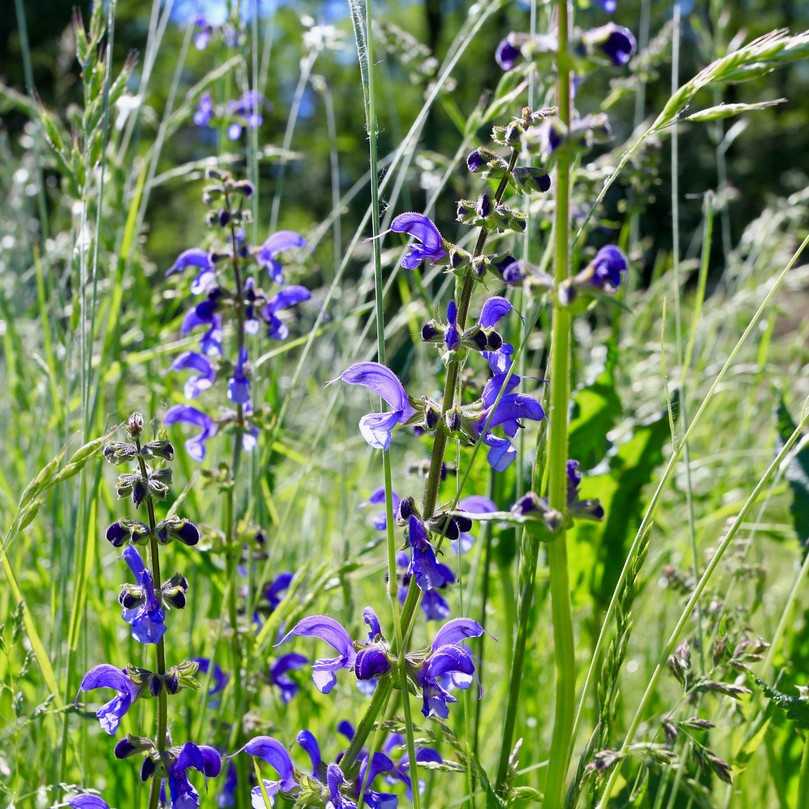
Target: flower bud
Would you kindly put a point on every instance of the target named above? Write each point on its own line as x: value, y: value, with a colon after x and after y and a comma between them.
x: 120, y: 452
x: 147, y: 769
x: 158, y: 449
x: 135, y: 424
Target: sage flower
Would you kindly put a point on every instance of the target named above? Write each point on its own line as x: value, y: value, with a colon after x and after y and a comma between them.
x: 370, y: 662
x: 185, y: 414
x: 141, y: 607
x: 276, y: 244
x: 107, y: 676
x: 377, y: 428
x: 428, y: 244
x: 205, y: 377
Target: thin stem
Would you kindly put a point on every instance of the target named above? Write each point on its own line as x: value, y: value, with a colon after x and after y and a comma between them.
x: 160, y: 652
x: 231, y: 539
x: 564, y: 656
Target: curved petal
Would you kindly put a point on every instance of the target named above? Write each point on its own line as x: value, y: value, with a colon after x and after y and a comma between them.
x: 456, y: 631
x: 493, y: 311
x: 324, y: 628
x: 382, y: 381
x: 306, y: 739
x: 501, y: 452
x: 420, y: 227
x: 194, y: 257
x: 275, y: 754
x: 449, y: 659
x: 377, y: 428
x: 87, y: 801
x: 477, y: 504
x: 516, y: 406
x: 285, y: 298
x: 371, y: 620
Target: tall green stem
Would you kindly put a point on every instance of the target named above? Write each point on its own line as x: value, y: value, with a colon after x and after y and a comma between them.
x: 564, y: 657
x: 160, y: 651
x: 231, y: 539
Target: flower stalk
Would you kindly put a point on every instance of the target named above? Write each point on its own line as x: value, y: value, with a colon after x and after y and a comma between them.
x: 564, y: 655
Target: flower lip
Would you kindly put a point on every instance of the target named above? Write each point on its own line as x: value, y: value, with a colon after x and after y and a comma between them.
x: 429, y: 245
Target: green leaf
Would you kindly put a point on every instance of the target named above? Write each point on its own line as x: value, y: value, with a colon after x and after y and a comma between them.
x: 596, y: 409
x: 797, y: 474
x: 604, y: 545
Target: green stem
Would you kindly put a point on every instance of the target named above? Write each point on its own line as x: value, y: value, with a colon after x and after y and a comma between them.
x: 160, y: 652
x: 231, y: 538
x: 561, y: 739
x: 803, y: 781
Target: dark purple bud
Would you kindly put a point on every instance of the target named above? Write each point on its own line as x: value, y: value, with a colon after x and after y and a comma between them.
x: 130, y: 597
x: 431, y: 417
x: 494, y: 341
x: 507, y: 55
x: 117, y: 535
x: 453, y: 420
x: 139, y: 492
x: 120, y: 452
x: 244, y: 187
x: 484, y: 206
x: 619, y: 45
x: 172, y: 682
x: 147, y: 769
x: 125, y: 748
x: 155, y: 684
x: 407, y: 507
x: 135, y: 424
x: 371, y: 662
x: 474, y: 161
x: 430, y: 332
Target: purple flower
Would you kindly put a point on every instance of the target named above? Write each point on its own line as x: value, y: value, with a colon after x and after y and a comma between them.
x: 218, y: 678
x: 335, y: 781
x: 206, y: 376
x: 370, y: 663
x: 401, y: 771
x: 507, y: 55
x: 475, y: 161
x: 306, y: 739
x: 87, y: 801
x: 191, y: 756
x: 493, y: 311
x: 203, y: 32
x: 501, y: 452
x: 246, y: 112
x: 607, y: 267
x: 608, y: 5
x: 449, y: 664
x: 452, y: 338
x: 429, y: 244
x: 107, y: 676
x: 275, y: 245
x: 276, y: 755
x: 190, y: 415
x: 380, y: 520
x: 512, y: 408
x: 274, y: 591
x: 376, y: 428
x: 205, y: 110
x: 194, y: 257
x: 369, y: 772
x: 146, y: 618
x: 614, y: 41
x: 283, y: 299
x: 429, y: 573
x: 239, y: 384
x: 280, y: 678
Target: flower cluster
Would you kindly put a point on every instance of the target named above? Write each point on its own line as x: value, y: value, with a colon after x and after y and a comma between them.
x: 229, y: 298
x: 144, y: 606
x: 326, y: 782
